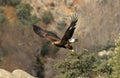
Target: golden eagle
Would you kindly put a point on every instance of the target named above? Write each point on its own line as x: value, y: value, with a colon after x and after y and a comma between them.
x: 63, y: 42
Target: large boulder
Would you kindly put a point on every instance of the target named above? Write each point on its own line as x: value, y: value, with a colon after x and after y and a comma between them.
x: 21, y: 74
x: 18, y: 73
x: 5, y: 74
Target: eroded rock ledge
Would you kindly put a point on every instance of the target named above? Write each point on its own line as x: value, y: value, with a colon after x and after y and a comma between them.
x: 15, y: 74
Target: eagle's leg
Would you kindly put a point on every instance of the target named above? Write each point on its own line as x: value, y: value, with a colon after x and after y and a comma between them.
x: 69, y: 46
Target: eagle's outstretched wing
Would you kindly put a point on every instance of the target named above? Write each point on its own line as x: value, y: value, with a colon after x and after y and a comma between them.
x: 50, y: 36
x: 69, y: 32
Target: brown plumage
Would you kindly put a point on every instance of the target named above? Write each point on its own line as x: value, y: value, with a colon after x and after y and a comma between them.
x: 50, y: 36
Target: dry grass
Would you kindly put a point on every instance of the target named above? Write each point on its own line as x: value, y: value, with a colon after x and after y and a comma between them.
x: 10, y: 13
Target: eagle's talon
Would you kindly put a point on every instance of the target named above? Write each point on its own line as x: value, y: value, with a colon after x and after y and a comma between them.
x: 72, y: 50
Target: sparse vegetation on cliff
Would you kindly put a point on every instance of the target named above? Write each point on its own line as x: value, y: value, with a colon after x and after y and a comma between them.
x: 10, y: 2
x: 3, y: 19
x: 115, y: 60
x: 47, y: 17
x: 23, y: 12
x: 83, y: 64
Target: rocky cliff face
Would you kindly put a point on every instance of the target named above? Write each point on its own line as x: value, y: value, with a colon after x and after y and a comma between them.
x: 98, y: 19
x: 99, y: 23
x: 15, y: 46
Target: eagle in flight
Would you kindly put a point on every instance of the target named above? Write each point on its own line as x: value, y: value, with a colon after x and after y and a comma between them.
x: 63, y: 42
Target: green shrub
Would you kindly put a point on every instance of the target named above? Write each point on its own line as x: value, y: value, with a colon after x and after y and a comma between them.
x: 23, y: 11
x: 1, y: 10
x: 39, y: 66
x: 47, y: 17
x: 2, y: 54
x: 2, y: 18
x: 61, y: 25
x: 104, y: 68
x: 115, y: 60
x: 34, y: 19
x: 10, y: 2
x: 84, y: 64
x: 77, y: 65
